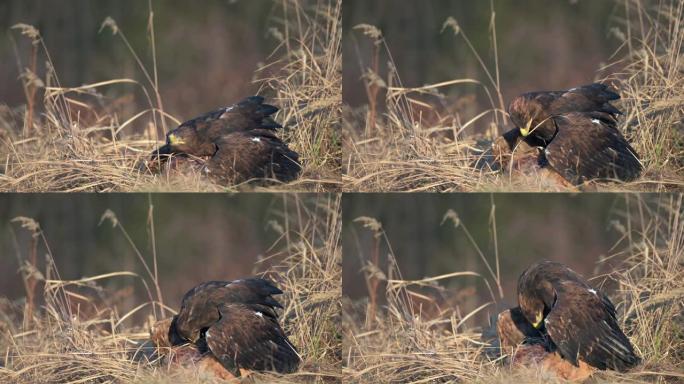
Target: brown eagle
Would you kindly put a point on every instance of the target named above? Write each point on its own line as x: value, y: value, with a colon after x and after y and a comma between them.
x: 234, y: 322
x: 239, y: 142
x: 578, y: 321
x: 576, y: 133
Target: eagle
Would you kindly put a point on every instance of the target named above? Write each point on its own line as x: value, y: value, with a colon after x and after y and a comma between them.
x: 233, y: 324
x: 577, y: 320
x: 576, y: 133
x: 238, y: 143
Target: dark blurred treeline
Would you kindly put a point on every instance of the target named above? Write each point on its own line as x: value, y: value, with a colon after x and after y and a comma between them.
x: 573, y: 229
x: 198, y: 237
x: 542, y: 44
x: 207, y: 51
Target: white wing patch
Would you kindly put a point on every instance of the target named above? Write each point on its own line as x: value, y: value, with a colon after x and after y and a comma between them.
x: 596, y: 121
x: 226, y: 111
x: 592, y: 291
x: 256, y: 139
x: 259, y: 314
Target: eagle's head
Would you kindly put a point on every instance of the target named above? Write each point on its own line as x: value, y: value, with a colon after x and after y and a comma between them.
x: 534, y: 310
x: 182, y: 139
x: 525, y: 112
x: 536, y: 295
x: 185, y: 139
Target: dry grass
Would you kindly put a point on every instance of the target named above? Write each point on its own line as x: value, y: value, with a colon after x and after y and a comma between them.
x: 400, y: 343
x: 77, y: 146
x: 415, y: 146
x: 62, y: 342
x: 309, y: 86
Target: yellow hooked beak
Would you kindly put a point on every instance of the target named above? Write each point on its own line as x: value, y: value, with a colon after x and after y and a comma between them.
x: 175, y: 140
x: 538, y: 321
x: 526, y: 131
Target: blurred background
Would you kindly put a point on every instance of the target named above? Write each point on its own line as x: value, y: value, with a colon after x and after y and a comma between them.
x: 206, y: 54
x: 542, y: 45
x: 197, y: 238
x: 573, y: 229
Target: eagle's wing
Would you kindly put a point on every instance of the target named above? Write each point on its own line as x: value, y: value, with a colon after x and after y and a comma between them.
x: 584, y: 327
x: 199, y: 307
x: 589, y: 146
x: 255, y: 154
x: 249, y: 337
x: 586, y: 98
x: 250, y: 113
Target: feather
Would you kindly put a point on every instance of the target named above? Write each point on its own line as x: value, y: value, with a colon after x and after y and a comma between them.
x: 589, y: 146
x: 199, y: 305
x: 224, y: 135
x: 580, y: 321
x: 243, y: 339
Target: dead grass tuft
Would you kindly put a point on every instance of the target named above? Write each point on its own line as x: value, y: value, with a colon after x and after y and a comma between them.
x: 308, y: 85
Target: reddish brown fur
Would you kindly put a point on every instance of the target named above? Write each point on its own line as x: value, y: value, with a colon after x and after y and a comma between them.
x: 535, y: 355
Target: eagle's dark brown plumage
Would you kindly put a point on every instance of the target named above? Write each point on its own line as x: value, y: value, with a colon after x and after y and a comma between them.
x: 576, y: 131
x: 258, y: 153
x: 237, y: 323
x: 534, y: 111
x: 589, y: 146
x: 578, y: 320
x: 239, y: 142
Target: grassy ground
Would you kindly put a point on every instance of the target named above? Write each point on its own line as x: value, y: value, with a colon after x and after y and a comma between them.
x: 62, y: 342
x: 62, y: 150
x: 400, y: 342
x: 402, y: 143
